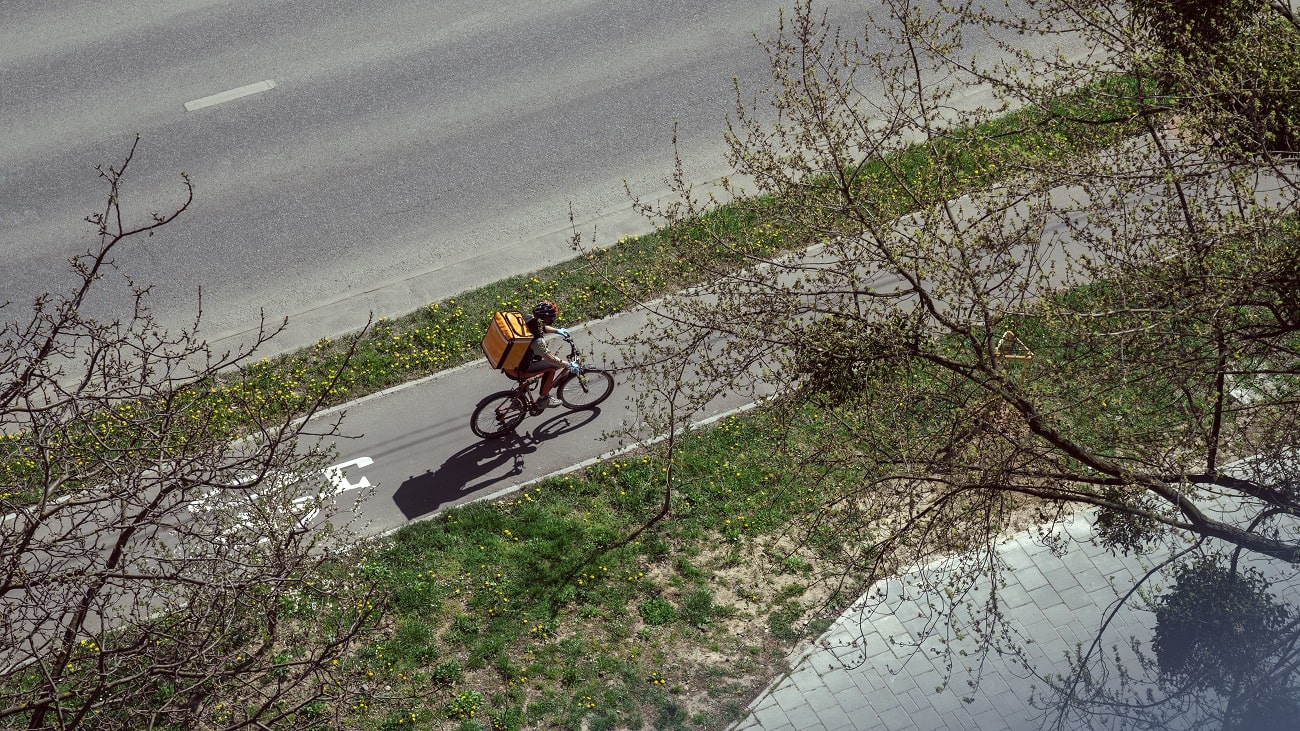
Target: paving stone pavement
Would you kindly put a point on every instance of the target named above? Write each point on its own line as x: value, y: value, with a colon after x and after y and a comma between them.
x: 877, y: 666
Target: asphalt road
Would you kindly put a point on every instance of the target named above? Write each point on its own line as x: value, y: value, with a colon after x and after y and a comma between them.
x: 381, y: 155
x: 393, y: 152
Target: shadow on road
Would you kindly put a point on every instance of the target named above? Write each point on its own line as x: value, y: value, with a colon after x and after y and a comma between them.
x: 488, y: 463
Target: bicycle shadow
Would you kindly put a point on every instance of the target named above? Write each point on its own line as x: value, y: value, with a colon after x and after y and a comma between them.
x: 482, y: 465
x: 562, y: 423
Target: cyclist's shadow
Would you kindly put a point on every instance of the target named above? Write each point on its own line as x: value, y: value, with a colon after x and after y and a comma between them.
x: 484, y: 464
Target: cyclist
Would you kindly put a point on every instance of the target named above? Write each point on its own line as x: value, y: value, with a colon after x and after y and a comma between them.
x: 540, y: 359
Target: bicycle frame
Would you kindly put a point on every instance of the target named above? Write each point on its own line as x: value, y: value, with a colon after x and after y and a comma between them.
x: 501, y: 412
x: 526, y: 385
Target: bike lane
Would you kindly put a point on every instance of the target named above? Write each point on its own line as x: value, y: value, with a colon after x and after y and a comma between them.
x: 413, y: 447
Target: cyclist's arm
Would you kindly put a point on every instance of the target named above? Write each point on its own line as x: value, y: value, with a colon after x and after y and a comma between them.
x: 547, y: 355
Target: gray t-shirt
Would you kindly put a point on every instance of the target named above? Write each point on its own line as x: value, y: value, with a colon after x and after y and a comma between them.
x: 539, y: 348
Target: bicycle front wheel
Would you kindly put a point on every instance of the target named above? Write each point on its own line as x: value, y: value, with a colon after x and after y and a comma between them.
x: 497, y: 414
x: 587, y: 389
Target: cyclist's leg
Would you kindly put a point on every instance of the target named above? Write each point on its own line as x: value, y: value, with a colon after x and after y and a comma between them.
x: 548, y: 375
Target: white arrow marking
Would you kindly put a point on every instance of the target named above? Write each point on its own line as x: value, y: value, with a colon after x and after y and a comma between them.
x: 334, y: 474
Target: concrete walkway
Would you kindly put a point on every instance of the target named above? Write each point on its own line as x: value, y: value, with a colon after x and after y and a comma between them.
x: 878, y: 667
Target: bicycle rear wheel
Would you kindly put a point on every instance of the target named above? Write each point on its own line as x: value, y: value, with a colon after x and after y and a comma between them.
x: 497, y: 414
x: 587, y: 389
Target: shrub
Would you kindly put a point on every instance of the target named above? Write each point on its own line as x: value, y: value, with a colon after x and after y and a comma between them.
x: 448, y: 673
x: 507, y: 719
x: 657, y: 612
x: 464, y: 704
x: 697, y: 608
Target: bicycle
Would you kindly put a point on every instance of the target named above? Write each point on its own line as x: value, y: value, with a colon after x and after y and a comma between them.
x: 502, y: 411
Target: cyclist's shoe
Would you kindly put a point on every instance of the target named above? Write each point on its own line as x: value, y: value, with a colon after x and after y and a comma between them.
x: 551, y: 402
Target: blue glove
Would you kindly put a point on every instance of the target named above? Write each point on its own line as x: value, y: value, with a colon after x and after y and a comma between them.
x: 573, y: 368
x: 562, y: 332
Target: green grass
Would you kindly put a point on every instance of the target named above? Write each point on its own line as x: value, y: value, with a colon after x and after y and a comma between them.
x: 541, y: 606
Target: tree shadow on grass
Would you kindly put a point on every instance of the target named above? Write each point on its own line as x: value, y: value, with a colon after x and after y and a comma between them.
x: 565, y: 556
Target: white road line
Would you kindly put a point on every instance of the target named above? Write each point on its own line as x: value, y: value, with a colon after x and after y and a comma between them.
x: 226, y: 96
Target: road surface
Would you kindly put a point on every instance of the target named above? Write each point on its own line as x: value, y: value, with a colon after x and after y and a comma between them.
x: 350, y: 157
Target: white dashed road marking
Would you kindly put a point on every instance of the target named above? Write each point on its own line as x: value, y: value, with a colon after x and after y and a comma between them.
x: 226, y: 96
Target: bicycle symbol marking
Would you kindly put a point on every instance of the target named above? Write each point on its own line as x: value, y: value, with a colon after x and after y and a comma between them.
x: 337, y: 484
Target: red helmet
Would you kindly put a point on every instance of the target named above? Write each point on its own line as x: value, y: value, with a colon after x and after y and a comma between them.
x: 546, y: 311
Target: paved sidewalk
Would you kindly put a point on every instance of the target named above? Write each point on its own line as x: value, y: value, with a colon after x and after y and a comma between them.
x: 877, y: 666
